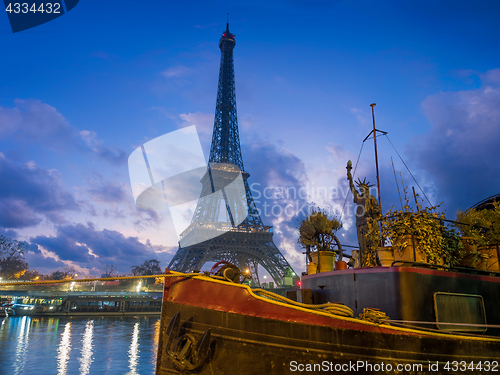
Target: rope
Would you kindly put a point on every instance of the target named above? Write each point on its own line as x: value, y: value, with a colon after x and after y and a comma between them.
x: 374, y: 315
x: 408, y: 169
x: 353, y: 175
x: 399, y: 193
x: 332, y: 308
x: 173, y: 274
x: 448, y: 324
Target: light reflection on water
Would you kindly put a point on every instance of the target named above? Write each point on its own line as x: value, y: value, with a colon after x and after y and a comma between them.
x: 67, y: 346
x: 63, y: 350
x: 86, y: 358
x: 22, y: 345
x: 133, y: 353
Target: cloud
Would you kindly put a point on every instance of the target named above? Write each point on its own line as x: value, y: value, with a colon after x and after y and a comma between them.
x: 89, y: 247
x: 106, y: 191
x: 34, y: 122
x: 491, y: 77
x: 363, y: 117
x: 29, y: 193
x: 278, y: 184
x: 461, y: 151
x: 8, y: 233
x: 176, y: 71
x: 16, y: 214
x: 204, y: 122
x: 247, y: 121
x: 43, y: 264
x: 338, y: 152
x: 111, y: 155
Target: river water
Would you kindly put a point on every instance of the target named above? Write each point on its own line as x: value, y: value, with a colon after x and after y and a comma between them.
x: 75, y: 345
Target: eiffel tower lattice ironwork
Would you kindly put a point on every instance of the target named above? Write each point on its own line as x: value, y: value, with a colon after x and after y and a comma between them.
x: 245, y: 241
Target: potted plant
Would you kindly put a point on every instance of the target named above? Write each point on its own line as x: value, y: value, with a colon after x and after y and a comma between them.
x: 470, y: 253
x: 483, y: 227
x: 317, y: 232
x: 415, y: 234
x: 452, y: 246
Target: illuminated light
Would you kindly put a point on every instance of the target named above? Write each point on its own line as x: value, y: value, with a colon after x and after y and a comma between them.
x: 299, y: 283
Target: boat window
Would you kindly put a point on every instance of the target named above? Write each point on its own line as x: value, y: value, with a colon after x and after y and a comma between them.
x: 459, y: 308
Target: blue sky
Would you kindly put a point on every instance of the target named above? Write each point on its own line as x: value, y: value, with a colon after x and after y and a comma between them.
x: 80, y: 93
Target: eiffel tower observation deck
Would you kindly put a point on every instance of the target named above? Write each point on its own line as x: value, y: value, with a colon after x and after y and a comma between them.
x: 239, y: 237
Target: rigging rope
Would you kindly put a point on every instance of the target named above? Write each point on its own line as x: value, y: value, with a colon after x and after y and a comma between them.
x: 408, y: 169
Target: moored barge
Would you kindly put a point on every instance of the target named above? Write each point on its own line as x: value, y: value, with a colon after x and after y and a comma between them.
x: 210, y: 326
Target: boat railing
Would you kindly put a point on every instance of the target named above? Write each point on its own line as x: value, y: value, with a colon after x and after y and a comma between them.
x: 472, y: 271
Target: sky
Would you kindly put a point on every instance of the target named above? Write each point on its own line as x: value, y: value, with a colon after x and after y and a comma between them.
x: 80, y: 93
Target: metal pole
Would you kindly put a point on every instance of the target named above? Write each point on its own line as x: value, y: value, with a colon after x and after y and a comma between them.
x: 376, y: 156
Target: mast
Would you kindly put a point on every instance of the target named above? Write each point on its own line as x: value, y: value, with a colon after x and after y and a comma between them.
x: 376, y: 156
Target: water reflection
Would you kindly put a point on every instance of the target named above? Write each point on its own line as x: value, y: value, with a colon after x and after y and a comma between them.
x: 87, y: 346
x: 133, y: 352
x: 64, y: 349
x: 22, y: 345
x: 156, y: 339
x: 78, y: 346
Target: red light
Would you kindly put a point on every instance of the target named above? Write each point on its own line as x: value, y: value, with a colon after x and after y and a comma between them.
x: 224, y: 34
x: 299, y: 283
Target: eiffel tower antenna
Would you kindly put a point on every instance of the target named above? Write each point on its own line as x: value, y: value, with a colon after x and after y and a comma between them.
x: 245, y: 241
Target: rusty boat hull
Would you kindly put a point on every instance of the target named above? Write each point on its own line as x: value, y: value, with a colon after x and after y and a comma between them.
x: 210, y: 326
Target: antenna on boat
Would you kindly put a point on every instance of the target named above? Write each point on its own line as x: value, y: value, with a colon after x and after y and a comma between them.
x: 376, y: 156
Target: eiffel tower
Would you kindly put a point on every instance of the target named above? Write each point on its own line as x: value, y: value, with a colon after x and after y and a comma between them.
x: 246, y: 241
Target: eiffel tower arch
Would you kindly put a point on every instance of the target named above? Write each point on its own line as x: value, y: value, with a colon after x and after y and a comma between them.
x: 239, y: 237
